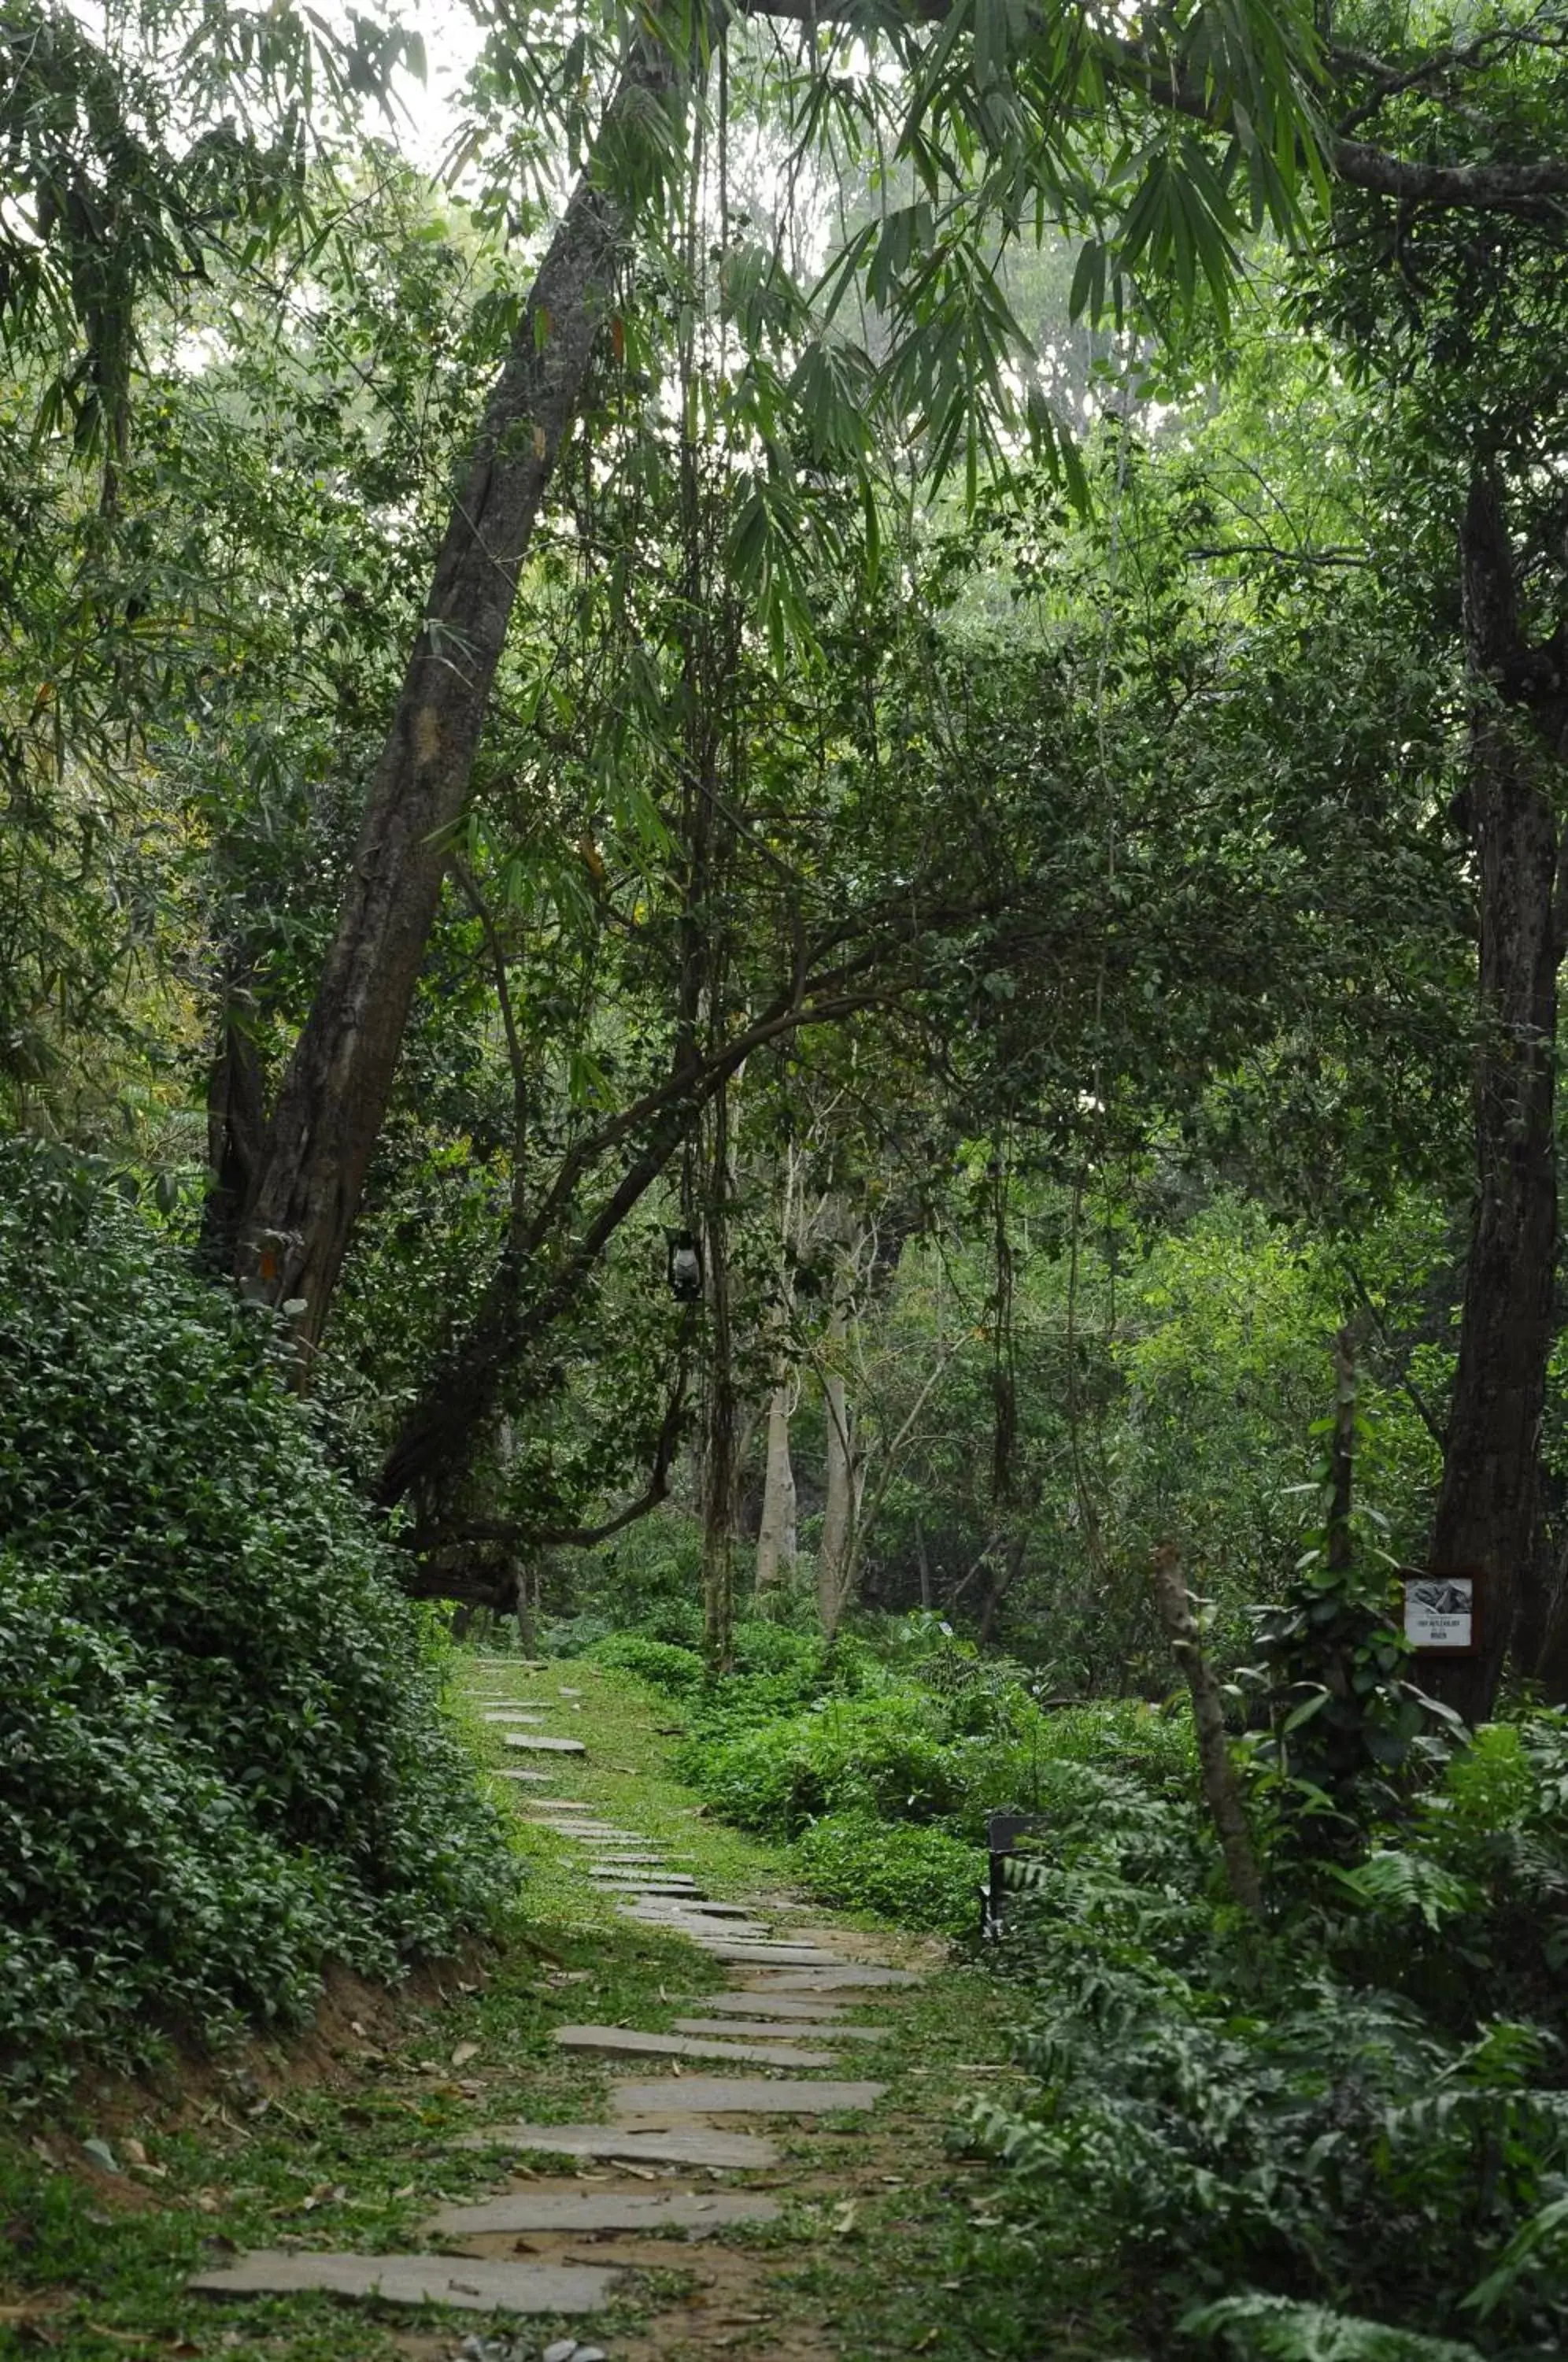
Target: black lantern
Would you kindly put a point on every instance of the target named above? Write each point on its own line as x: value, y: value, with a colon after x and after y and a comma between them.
x: 685, y: 1267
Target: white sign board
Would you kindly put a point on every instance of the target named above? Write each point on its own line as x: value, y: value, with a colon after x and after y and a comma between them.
x: 1439, y: 1611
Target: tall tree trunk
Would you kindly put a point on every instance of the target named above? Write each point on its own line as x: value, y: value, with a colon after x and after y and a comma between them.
x: 333, y: 1098
x: 846, y: 1473
x: 719, y: 1460
x: 235, y: 1130
x: 776, y: 1543
x: 1486, y: 1520
x: 776, y: 1536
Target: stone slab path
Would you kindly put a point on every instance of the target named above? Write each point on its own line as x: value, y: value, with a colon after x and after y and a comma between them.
x: 784, y: 1956
x: 766, y: 2030
x: 472, y: 2284
x: 623, y: 2041
x: 741, y: 2096
x: 697, y: 2145
x: 592, y: 2210
x: 751, y: 2003
x: 838, y: 1980
x: 775, y: 2009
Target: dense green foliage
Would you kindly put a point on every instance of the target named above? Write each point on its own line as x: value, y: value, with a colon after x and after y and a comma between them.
x: 882, y: 1758
x: 1359, y: 2109
x: 1056, y: 954
x: 1341, y: 2134
x: 225, y: 1760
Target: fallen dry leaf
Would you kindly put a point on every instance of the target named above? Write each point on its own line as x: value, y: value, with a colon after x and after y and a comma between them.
x: 464, y: 2052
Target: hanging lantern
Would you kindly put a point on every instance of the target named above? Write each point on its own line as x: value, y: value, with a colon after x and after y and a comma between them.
x: 685, y: 1267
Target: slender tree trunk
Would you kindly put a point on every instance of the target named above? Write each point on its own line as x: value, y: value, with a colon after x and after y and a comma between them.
x: 776, y: 1538
x: 333, y: 1098
x: 1486, y: 1518
x: 845, y: 1474
x: 1005, y: 1572
x: 776, y: 1535
x: 1218, y: 1773
x: 720, y: 1458
x: 235, y: 1130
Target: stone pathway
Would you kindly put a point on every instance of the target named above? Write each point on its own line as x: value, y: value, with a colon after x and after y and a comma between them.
x: 776, y: 2015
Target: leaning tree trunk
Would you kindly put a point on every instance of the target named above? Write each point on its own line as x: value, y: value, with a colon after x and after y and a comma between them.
x: 333, y: 1098
x: 1486, y: 1518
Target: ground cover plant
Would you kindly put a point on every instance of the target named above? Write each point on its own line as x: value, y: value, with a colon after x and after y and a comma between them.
x: 95, y: 2256
x: 226, y: 1761
x: 1341, y: 2133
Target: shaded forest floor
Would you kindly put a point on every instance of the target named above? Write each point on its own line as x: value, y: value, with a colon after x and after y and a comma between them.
x: 890, y: 2241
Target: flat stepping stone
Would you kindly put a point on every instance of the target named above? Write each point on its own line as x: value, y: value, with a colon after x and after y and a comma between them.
x: 624, y: 2041
x: 761, y: 2004
x: 541, y: 1745
x: 510, y: 1714
x: 567, y: 1829
x: 840, y: 1979
x: 551, y: 1803
x: 647, y: 1912
x: 760, y: 2030
x: 703, y: 1907
x: 665, y: 1926
x: 583, y: 1828
x: 469, y: 2284
x: 740, y: 2096
x: 512, y: 1772
x: 647, y: 1882
x: 784, y: 1956
x: 695, y: 2145
x: 614, y: 2210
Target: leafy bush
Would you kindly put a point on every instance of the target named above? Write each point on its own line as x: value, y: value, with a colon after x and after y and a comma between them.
x: 1228, y: 2113
x: 880, y: 1755
x: 224, y: 1755
x: 663, y: 1666
x: 919, y: 1877
x: 1467, y: 1893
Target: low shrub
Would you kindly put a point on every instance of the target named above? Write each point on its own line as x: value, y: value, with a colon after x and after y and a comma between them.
x: 224, y: 1758
x: 885, y: 1756
x: 1256, y: 2115
x: 918, y: 1877
x: 677, y: 1672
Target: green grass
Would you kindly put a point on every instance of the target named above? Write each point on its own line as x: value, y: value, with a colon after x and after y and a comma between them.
x: 923, y: 2262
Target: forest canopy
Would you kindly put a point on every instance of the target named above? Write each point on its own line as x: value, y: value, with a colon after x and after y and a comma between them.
x: 918, y: 647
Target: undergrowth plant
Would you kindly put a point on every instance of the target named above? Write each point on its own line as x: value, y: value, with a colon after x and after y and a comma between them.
x: 224, y: 1760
